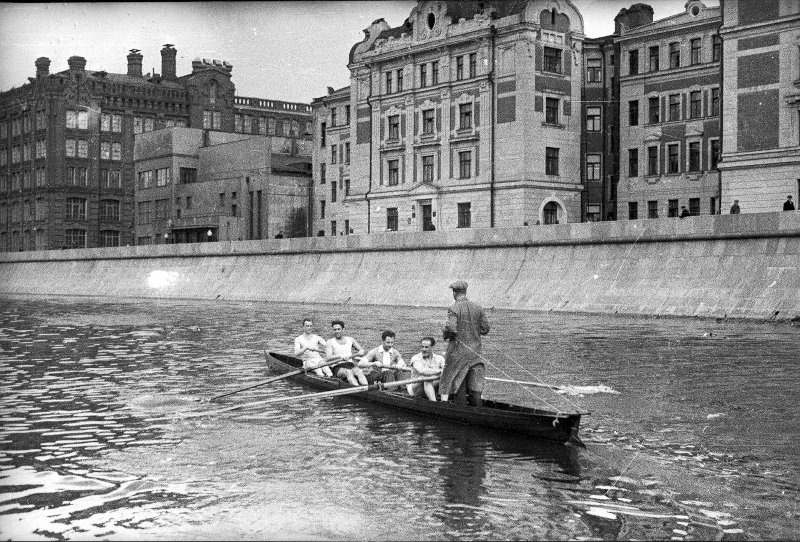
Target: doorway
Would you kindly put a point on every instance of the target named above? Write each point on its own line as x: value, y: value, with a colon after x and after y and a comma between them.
x: 427, y: 217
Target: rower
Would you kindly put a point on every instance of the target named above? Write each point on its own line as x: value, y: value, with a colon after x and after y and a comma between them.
x: 343, y: 346
x: 310, y: 346
x: 425, y: 363
x: 383, y: 363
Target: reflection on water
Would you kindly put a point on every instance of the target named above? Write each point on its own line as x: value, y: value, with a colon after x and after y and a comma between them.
x: 697, y: 445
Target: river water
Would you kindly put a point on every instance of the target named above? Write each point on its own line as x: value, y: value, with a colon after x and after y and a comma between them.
x: 100, y: 439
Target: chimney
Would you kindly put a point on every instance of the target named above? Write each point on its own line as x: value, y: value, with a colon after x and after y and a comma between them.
x: 42, y: 67
x: 135, y: 63
x: 76, y: 64
x: 168, y: 54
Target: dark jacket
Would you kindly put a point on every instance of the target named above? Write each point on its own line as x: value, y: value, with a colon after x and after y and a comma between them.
x: 466, y: 322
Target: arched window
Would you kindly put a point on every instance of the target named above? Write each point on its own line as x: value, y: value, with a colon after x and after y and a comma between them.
x: 212, y: 92
x: 551, y: 213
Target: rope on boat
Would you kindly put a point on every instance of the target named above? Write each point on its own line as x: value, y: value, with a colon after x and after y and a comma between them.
x: 537, y: 396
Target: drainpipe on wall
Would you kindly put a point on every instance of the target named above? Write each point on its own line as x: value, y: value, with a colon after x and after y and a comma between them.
x: 492, y: 83
x: 369, y: 189
x: 721, y: 110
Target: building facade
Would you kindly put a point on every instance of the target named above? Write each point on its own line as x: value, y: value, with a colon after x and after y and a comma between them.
x: 465, y: 116
x: 195, y: 185
x: 67, y: 142
x: 761, y: 110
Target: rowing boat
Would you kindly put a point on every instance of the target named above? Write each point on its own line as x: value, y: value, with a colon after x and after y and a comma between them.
x: 533, y: 422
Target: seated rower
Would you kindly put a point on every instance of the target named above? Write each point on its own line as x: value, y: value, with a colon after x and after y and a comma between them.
x: 383, y: 363
x: 309, y: 346
x: 342, y: 346
x: 425, y: 363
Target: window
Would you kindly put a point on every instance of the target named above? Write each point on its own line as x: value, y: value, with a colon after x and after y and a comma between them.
x: 715, y: 101
x: 83, y: 148
x: 695, y: 105
x: 188, y: 202
x: 111, y: 178
x: 714, y: 153
x: 672, y: 208
x: 262, y: 127
x: 333, y: 227
x: 105, y: 122
x: 216, y: 120
x: 465, y: 215
x: 137, y: 122
x: 654, y: 58
x: 674, y: 112
x: 322, y: 167
x: 652, y: 160
x: 551, y: 110
x: 394, y: 126
x: 333, y: 154
x: 76, y: 209
x: 347, y: 114
x: 394, y: 172
x: 694, y: 206
x: 653, y: 113
x: 428, y: 121
x: 551, y: 161
x: 459, y: 68
x: 423, y: 75
x: 472, y: 65
x: 652, y: 209
x: 592, y: 167
x: 593, y: 73
x: 633, y: 62
x: 716, y: 48
x: 75, y: 238
x: 105, y: 150
x: 391, y: 219
x: 434, y: 73
x: 593, y: 119
x: 399, y: 80
x: 388, y: 87
x: 633, y: 210
x: 633, y: 162
x: 672, y: 158
x: 247, y: 124
x: 552, y: 60
x: 465, y: 116
x: 695, y: 49
x: 427, y: 168
x: 346, y: 187
x: 333, y: 117
x: 163, y: 176
x: 694, y: 156
x: 188, y: 175
x: 41, y: 122
x: 145, y: 179
x: 322, y: 208
x: 464, y: 164
x: 76, y: 176
x: 633, y: 113
x: 237, y: 122
x: 116, y: 151
x: 592, y: 213
x: 272, y: 125
x: 674, y: 55
x: 347, y: 152
x: 41, y: 149
x: 71, y: 122
x: 69, y: 150
x: 109, y: 209
x: 322, y: 128
x: 109, y: 238
x: 41, y: 176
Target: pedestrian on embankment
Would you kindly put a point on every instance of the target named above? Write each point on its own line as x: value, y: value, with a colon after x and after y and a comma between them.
x: 788, y: 205
x: 735, y: 207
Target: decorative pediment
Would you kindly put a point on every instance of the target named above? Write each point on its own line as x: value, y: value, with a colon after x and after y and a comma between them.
x: 694, y: 129
x: 652, y: 136
x: 423, y: 190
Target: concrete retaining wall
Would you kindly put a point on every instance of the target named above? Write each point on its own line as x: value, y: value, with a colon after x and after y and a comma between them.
x: 738, y: 266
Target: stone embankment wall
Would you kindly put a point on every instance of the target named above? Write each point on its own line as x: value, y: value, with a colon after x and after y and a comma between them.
x: 736, y: 266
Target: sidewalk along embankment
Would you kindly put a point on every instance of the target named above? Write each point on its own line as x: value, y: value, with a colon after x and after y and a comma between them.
x: 734, y: 266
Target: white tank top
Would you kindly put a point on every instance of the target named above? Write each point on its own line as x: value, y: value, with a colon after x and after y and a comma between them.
x: 341, y: 350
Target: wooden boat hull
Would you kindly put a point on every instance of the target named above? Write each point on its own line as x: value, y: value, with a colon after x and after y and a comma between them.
x: 540, y: 424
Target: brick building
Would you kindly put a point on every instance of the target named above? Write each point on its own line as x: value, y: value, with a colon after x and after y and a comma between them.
x: 67, y: 140
x: 761, y: 106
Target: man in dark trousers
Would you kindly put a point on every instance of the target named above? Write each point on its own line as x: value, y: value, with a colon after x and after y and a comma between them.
x: 464, y: 371
x: 788, y: 205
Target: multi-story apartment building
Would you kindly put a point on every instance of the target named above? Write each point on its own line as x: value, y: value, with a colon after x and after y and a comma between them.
x: 67, y: 139
x: 670, y: 103
x: 761, y: 106
x: 195, y: 185
x: 464, y: 116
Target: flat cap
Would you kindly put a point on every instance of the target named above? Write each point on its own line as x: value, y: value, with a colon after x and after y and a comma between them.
x: 459, y: 285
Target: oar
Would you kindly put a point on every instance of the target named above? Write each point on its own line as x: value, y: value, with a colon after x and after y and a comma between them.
x: 331, y: 361
x: 343, y: 391
x: 571, y: 390
x: 526, y: 383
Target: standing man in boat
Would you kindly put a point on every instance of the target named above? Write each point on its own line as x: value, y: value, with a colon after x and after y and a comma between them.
x: 309, y: 346
x: 383, y: 363
x: 464, y: 371
x: 342, y: 346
